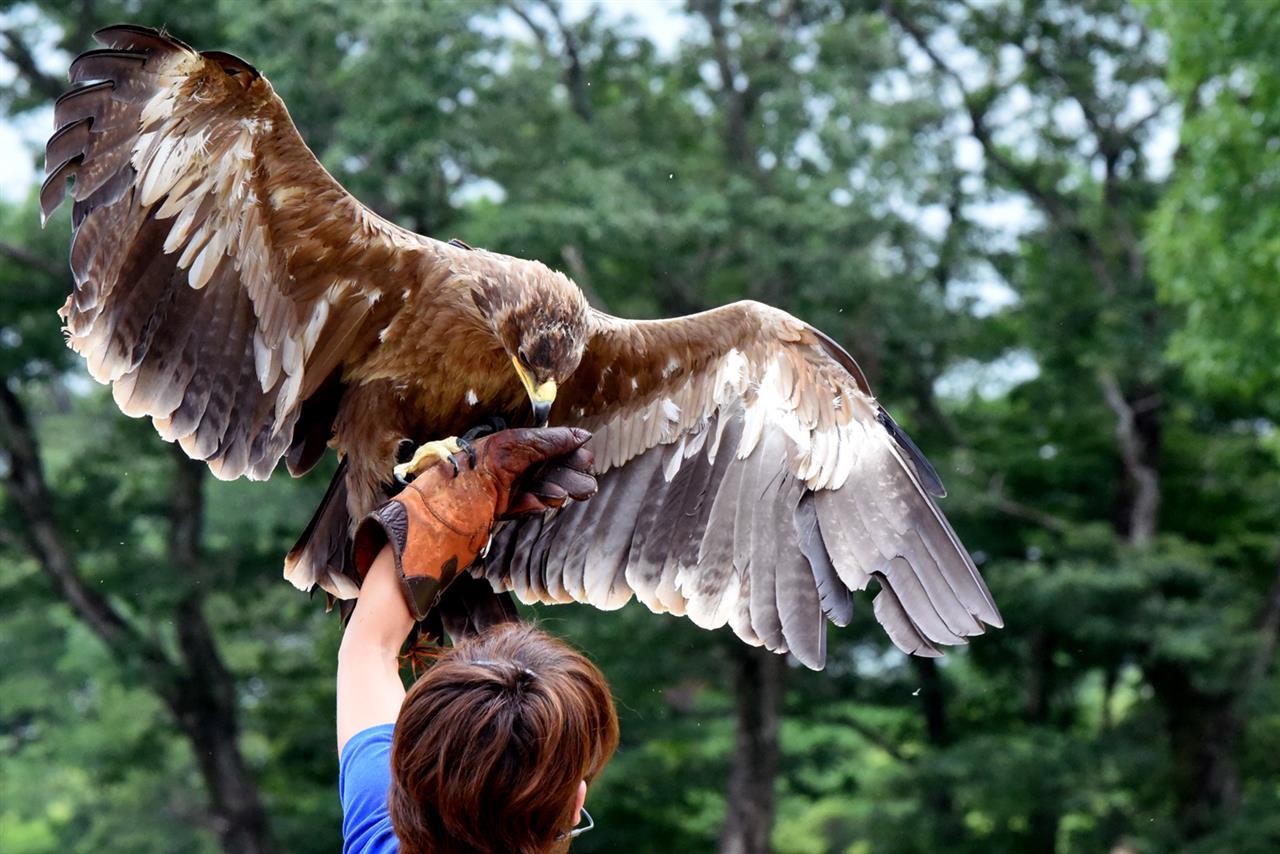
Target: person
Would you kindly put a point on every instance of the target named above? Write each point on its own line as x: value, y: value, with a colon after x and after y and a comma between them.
x: 493, y: 748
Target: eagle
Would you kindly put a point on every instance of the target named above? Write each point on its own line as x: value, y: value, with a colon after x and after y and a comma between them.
x: 228, y: 288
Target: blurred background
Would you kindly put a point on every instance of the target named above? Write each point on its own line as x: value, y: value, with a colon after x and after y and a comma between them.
x: 1050, y: 233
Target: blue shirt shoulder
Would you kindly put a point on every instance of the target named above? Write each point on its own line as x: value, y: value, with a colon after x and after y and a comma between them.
x: 364, y: 778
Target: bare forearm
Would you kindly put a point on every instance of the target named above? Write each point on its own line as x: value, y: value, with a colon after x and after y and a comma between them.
x: 381, y: 620
x: 369, y: 687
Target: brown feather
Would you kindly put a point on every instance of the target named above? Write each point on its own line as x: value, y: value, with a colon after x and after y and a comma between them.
x: 234, y: 292
x: 811, y: 490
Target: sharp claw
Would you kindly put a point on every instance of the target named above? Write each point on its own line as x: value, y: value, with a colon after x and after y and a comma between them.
x: 488, y: 427
x: 469, y: 448
x: 425, y: 456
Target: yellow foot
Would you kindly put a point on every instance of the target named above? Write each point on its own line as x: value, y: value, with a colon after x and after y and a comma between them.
x: 426, y: 456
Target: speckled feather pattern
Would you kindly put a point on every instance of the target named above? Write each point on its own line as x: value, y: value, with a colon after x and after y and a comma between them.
x: 230, y: 289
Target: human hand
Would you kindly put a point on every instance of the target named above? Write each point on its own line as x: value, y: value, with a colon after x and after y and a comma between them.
x: 442, y: 520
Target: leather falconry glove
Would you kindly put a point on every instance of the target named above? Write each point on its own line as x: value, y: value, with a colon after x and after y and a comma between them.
x: 441, y: 521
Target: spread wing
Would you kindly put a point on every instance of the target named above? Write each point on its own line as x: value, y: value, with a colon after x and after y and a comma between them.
x: 749, y: 478
x: 221, y: 274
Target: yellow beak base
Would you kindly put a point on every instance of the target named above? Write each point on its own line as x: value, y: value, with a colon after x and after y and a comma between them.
x: 541, y: 397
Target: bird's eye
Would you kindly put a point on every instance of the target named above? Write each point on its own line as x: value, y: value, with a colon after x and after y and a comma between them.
x: 523, y: 356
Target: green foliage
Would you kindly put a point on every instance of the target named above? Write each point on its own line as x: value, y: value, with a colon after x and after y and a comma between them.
x: 1216, y: 235
x: 846, y: 200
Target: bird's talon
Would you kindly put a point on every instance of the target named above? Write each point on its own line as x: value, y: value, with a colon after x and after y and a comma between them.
x: 492, y: 424
x: 468, y: 448
x: 426, y: 456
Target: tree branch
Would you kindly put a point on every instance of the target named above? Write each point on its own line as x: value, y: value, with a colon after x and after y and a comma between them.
x: 741, y: 101
x: 574, y: 78
x: 871, y: 734
x: 1103, y: 131
x: 572, y: 256
x: 539, y: 33
x: 1145, y: 506
x: 88, y: 22
x: 30, y: 494
x: 924, y: 377
x: 1001, y: 502
x: 199, y: 691
x: 1057, y: 207
x: 1269, y: 627
x: 1053, y: 203
x: 16, y: 51
x: 737, y: 101
x: 29, y: 259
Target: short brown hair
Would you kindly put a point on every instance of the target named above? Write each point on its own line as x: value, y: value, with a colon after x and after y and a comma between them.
x: 491, y: 744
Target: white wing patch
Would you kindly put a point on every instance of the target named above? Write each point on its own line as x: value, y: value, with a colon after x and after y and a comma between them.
x: 188, y: 167
x: 822, y: 446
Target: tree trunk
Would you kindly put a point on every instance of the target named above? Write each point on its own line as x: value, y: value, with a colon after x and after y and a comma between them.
x: 758, y: 683
x: 1203, y: 730
x: 206, y: 704
x: 1138, y: 434
x: 1040, y: 677
x: 206, y: 710
x: 933, y: 705
x: 198, y: 689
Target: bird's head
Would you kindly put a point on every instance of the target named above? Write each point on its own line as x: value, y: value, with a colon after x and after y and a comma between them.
x: 540, y: 319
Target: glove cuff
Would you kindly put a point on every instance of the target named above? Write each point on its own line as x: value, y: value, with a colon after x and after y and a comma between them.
x: 428, y: 551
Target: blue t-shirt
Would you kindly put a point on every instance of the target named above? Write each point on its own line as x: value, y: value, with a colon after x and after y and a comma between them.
x: 364, y: 777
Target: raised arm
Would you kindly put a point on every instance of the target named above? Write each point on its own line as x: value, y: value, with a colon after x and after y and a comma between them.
x: 369, y: 688
x: 410, y: 549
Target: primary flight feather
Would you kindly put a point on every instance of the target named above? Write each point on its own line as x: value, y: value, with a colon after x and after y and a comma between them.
x: 230, y: 289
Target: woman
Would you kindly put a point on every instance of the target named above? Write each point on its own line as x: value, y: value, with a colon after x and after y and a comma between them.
x: 492, y: 749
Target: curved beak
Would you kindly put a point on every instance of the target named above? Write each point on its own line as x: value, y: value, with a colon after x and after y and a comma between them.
x: 541, y: 397
x: 542, y: 411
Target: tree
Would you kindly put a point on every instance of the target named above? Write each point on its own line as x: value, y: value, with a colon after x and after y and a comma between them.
x: 961, y: 195
x: 1213, y: 235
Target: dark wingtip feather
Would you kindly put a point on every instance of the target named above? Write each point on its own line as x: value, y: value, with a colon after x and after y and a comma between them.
x: 842, y: 357
x: 68, y: 142
x: 76, y: 92
x: 230, y: 63
x: 107, y: 64
x: 324, y: 541
x: 924, y: 469
x: 135, y: 37
x: 54, y: 188
x: 928, y: 476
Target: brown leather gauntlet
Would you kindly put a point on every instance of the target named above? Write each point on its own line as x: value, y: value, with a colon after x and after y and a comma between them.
x: 438, y: 524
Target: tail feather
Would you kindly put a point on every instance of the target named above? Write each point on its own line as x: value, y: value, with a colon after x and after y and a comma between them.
x: 470, y: 605
x: 321, y: 556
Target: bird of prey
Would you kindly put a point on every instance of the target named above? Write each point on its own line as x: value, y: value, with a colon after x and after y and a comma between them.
x: 230, y: 289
